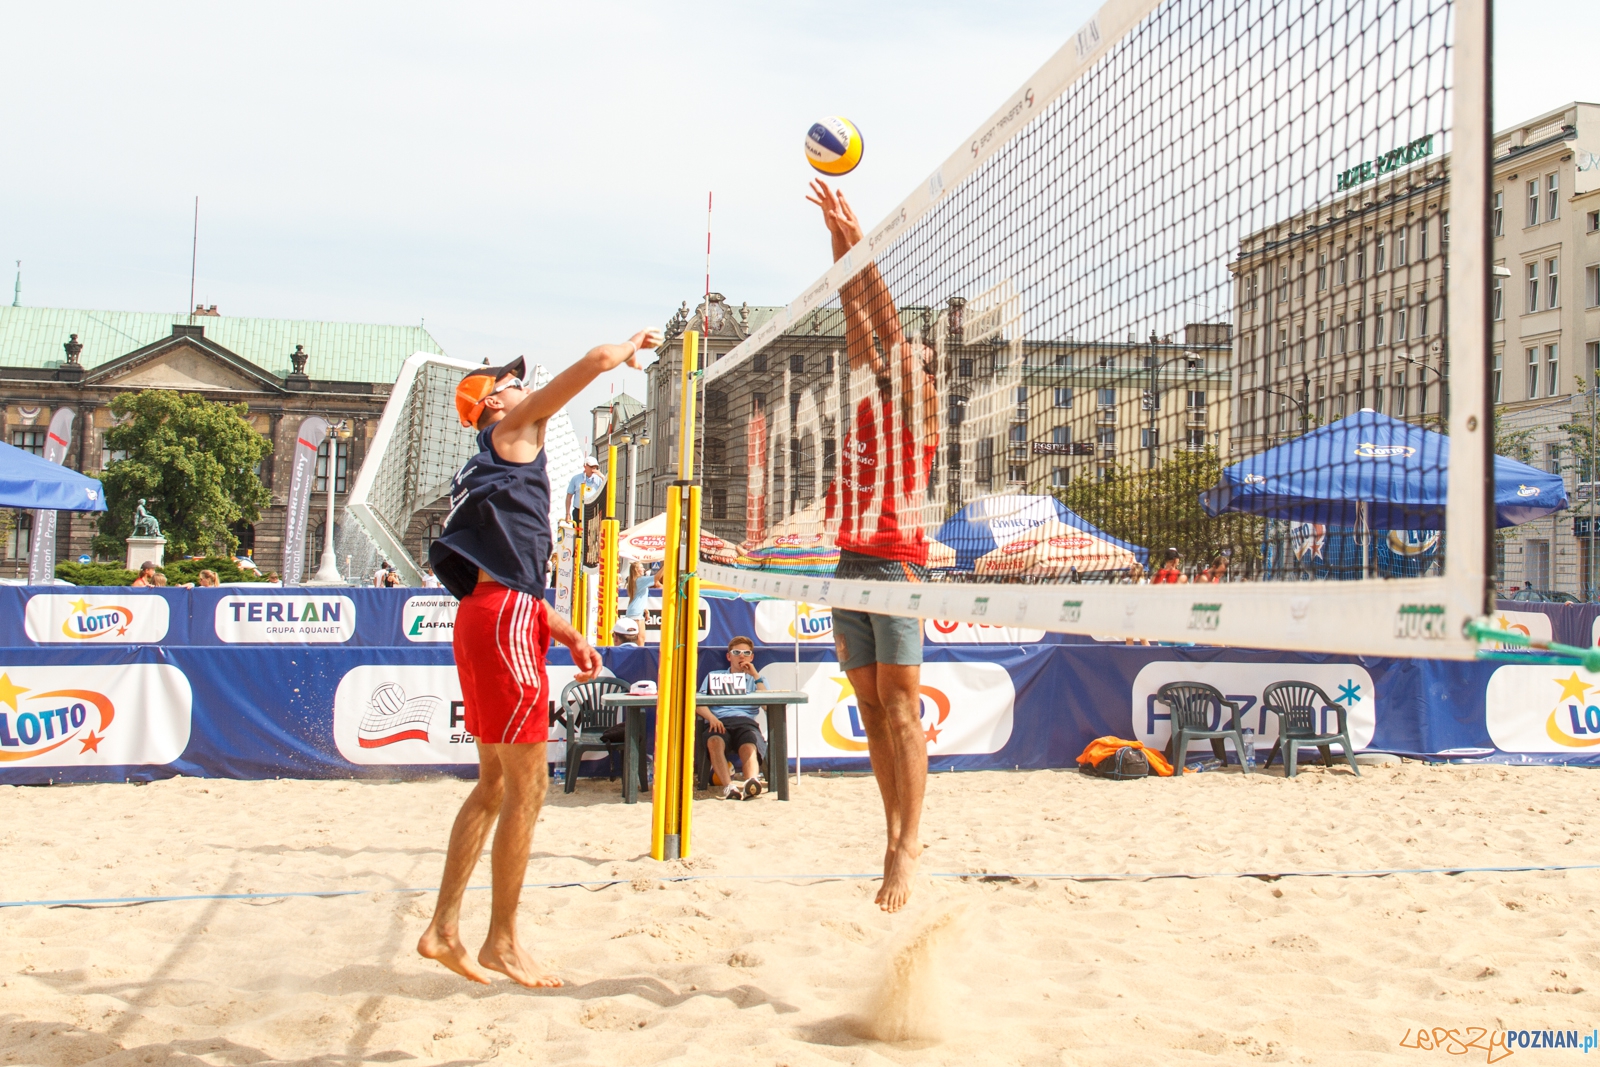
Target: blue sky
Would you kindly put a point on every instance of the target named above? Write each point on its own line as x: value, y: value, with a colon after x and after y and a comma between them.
x: 525, y: 179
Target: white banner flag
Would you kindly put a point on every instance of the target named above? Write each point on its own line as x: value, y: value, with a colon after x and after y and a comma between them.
x: 42, y: 553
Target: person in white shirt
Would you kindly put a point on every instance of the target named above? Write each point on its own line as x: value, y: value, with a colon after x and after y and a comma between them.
x: 590, y: 478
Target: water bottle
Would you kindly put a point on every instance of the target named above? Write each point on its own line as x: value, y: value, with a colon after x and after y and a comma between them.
x: 1212, y: 764
x: 560, y: 775
x: 1247, y: 754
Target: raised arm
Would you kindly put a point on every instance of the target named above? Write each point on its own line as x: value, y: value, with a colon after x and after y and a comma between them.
x: 522, y: 420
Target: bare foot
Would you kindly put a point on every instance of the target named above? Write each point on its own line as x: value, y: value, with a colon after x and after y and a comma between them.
x: 448, y: 950
x: 897, y: 874
x: 516, y: 965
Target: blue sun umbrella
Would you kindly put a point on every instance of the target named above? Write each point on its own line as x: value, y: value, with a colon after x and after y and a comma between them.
x: 1376, y: 472
x: 29, y: 481
x: 1032, y: 535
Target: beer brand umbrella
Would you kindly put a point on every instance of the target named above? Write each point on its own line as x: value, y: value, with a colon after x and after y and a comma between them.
x: 1032, y: 536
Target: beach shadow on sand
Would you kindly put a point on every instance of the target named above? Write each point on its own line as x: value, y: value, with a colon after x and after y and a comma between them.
x: 844, y: 1031
x: 28, y: 1041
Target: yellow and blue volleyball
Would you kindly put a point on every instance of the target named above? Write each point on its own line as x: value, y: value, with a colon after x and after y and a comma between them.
x: 834, y: 145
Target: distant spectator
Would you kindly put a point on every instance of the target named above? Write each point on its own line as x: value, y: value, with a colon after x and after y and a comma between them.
x: 639, y: 582
x: 146, y: 571
x: 429, y: 581
x: 273, y: 579
x: 158, y: 580
x: 1171, y: 572
x: 1135, y: 575
x: 734, y: 727
x: 629, y: 630
x: 209, y: 580
x: 381, y: 575
x: 1215, y: 573
x: 391, y: 579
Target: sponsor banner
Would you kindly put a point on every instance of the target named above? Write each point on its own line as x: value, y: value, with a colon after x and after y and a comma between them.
x: 781, y: 622
x: 313, y: 431
x: 127, y: 619
x: 1548, y: 707
x: 398, y: 715
x: 92, y: 715
x: 1346, y: 683
x: 652, y: 621
x: 967, y: 708
x: 429, y: 618
x: 1532, y: 624
x: 42, y: 554
x: 286, y: 619
x: 945, y: 632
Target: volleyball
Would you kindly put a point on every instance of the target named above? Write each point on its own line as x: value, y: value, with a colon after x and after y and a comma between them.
x: 834, y: 145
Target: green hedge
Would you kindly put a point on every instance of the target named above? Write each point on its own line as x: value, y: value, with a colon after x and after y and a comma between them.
x: 178, y: 572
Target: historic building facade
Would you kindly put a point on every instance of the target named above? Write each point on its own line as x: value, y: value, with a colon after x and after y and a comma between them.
x: 284, y: 370
x: 1342, y: 307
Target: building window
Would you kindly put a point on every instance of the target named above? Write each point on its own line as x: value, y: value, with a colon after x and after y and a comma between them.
x: 983, y: 464
x: 1361, y: 261
x: 29, y: 440
x: 1533, y: 287
x: 19, y: 539
x: 1377, y: 254
x: 1322, y: 402
x: 1377, y: 326
x: 758, y: 362
x: 1197, y: 399
x: 1552, y: 370
x: 1340, y: 273
x: 1422, y: 316
x: 1533, y: 374
x: 1499, y: 374
x: 1300, y: 280
x: 1283, y: 348
x: 715, y: 451
x: 434, y: 531
x: 830, y: 453
x: 1361, y: 334
x: 719, y: 503
x: 1594, y: 222
x: 1499, y: 214
x: 1283, y: 285
x: 1422, y: 239
x: 1300, y: 343
x: 1552, y: 283
x: 1397, y: 395
x: 1058, y: 476
x: 1591, y: 286
x: 1400, y: 320
x: 1533, y: 202
x: 1106, y: 398
x: 1400, y: 245
x: 1322, y: 338
x: 1536, y: 563
x: 797, y: 363
x: 964, y: 368
x: 1150, y: 438
x: 321, y: 485
x: 1497, y: 299
x: 1322, y: 271
x: 1339, y: 337
x: 1594, y: 365
x: 1061, y: 435
x: 1552, y: 193
x: 1063, y: 396
x: 1552, y: 457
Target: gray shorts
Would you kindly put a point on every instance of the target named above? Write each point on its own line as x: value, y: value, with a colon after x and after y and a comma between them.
x: 863, y: 639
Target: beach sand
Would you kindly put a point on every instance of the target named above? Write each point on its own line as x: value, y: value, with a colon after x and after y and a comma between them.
x: 786, y: 966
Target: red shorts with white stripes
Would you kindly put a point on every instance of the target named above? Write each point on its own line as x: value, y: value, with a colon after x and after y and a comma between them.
x: 500, y: 641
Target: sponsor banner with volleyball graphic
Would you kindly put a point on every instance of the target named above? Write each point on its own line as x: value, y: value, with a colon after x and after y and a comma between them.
x: 1348, y: 684
x: 967, y: 708
x: 780, y: 621
x: 81, y: 618
x: 413, y: 714
x: 93, y: 715
x: 1550, y: 708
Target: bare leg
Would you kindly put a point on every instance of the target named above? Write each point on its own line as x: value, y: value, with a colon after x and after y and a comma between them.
x: 442, y: 940
x: 525, y: 784
x: 751, y: 758
x: 890, y: 702
x: 721, y: 773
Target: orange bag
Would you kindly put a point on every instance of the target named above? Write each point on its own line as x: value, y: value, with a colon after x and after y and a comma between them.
x: 1102, y: 747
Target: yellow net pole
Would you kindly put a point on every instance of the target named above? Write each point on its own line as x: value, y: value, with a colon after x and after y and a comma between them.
x: 690, y: 623
x: 580, y: 591
x: 606, y: 617
x: 664, y: 798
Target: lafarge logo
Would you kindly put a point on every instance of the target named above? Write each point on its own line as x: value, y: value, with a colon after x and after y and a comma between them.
x: 287, y: 619
x: 93, y: 716
x: 429, y: 618
x: 130, y: 619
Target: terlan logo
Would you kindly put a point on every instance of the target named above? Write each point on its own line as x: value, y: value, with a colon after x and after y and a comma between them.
x: 935, y: 710
x: 86, y: 622
x: 45, y: 721
x: 1573, y: 710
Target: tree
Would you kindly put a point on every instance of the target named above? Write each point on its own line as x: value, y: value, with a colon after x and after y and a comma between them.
x: 1160, y: 509
x: 193, y: 462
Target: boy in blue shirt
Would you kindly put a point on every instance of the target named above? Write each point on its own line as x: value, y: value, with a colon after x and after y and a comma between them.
x: 733, y: 727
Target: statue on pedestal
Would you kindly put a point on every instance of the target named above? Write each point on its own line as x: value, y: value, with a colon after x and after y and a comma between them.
x: 144, y: 523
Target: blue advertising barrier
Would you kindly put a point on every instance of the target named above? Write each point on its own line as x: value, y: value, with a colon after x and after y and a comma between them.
x: 81, y: 701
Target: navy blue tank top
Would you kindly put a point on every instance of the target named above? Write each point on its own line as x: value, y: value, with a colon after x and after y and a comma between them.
x: 499, y: 521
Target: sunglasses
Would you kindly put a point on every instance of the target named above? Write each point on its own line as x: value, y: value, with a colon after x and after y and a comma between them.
x: 514, y: 383
x: 740, y: 652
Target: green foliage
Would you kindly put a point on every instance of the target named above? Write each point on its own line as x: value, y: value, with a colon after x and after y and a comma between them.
x: 188, y: 570
x: 95, y: 574
x: 1160, y: 509
x: 192, y: 460
x: 1513, y: 444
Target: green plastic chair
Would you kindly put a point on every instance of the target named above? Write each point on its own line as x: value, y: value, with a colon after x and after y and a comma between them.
x: 1298, y: 706
x: 586, y: 719
x: 1191, y: 705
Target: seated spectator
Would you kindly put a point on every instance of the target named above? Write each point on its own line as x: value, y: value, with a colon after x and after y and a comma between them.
x: 734, y: 727
x: 1218, y: 570
x: 146, y: 569
x: 1171, y: 572
x: 158, y: 580
x: 208, y: 580
x: 629, y: 630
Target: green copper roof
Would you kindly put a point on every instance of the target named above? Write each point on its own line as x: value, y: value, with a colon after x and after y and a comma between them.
x: 339, y: 351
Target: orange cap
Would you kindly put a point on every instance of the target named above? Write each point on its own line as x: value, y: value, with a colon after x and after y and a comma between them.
x: 476, y: 387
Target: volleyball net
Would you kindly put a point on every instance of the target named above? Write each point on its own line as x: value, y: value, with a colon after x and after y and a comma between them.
x: 1186, y: 342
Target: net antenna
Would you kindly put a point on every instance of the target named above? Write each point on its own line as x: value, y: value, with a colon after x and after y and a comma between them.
x: 1165, y: 349
x: 419, y: 445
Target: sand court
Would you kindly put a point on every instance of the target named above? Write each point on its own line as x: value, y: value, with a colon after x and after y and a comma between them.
x: 788, y: 970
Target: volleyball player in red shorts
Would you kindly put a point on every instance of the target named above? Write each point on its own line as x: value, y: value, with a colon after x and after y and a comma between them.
x: 492, y: 556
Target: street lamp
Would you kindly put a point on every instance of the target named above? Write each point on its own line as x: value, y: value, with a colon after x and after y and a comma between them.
x: 328, y: 573
x: 1152, y: 400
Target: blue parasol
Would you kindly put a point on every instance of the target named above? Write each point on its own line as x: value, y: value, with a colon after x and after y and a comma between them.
x: 29, y: 481
x: 1372, y: 471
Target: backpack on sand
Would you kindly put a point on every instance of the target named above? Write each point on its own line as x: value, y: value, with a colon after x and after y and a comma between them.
x: 1122, y: 765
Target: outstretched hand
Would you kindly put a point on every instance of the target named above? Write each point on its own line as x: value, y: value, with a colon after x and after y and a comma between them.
x: 836, y: 212
x: 628, y: 351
